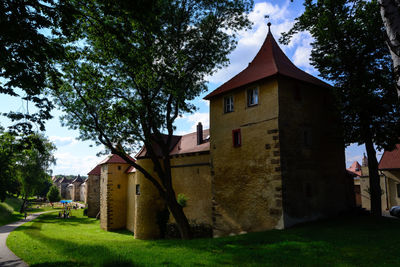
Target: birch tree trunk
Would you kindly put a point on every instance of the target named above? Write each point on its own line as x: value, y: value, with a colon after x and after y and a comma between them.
x: 390, y: 12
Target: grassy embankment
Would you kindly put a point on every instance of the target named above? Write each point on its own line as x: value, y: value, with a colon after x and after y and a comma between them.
x: 79, y: 241
x: 9, y: 210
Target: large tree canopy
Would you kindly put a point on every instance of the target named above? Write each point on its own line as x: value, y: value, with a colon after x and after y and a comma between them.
x: 133, y: 67
x: 28, y: 49
x: 349, y: 50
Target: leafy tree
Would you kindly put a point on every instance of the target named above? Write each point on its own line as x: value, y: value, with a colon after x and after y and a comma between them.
x: 8, y: 177
x: 27, y: 51
x: 33, y: 164
x: 54, y: 194
x: 134, y: 65
x: 390, y: 13
x: 349, y: 50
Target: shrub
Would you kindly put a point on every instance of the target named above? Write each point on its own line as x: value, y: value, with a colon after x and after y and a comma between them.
x: 54, y: 194
x: 182, y: 200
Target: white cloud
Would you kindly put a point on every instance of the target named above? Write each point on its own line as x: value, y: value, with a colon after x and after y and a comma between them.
x: 69, y: 163
x: 250, y: 41
x: 190, y: 122
x: 63, y: 140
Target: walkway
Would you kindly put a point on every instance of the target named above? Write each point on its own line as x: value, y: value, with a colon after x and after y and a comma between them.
x: 7, y: 258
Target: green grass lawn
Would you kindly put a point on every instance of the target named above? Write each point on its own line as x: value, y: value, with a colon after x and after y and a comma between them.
x: 79, y: 241
x: 9, y: 210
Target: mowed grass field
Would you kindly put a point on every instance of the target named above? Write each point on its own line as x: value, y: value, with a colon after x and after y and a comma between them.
x: 79, y: 241
x: 9, y: 210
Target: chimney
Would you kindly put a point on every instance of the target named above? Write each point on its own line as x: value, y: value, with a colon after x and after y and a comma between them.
x: 199, y: 133
x: 365, y: 161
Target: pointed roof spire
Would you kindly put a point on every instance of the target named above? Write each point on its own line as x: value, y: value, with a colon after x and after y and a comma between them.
x: 269, y: 61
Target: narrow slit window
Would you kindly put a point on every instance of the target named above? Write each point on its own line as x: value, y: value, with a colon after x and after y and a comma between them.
x: 252, y: 97
x: 228, y: 104
x: 237, y: 138
x: 398, y: 190
x: 138, y: 189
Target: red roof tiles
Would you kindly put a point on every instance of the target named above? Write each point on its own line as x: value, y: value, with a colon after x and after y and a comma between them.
x: 114, y: 159
x: 355, y: 168
x: 96, y: 170
x: 269, y: 61
x: 182, y: 145
x: 390, y: 159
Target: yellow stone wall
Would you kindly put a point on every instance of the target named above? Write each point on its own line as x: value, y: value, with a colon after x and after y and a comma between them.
x: 388, y: 183
x: 130, y: 205
x: 191, y: 177
x: 93, y: 195
x: 246, y: 180
x: 113, y: 196
x: 313, y: 171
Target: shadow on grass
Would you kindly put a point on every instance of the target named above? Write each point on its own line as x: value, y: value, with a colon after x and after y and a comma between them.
x: 342, y: 241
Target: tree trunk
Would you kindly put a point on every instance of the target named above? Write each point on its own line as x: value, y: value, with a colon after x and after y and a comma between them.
x: 374, y: 180
x: 180, y: 217
x: 390, y: 12
x: 22, y: 209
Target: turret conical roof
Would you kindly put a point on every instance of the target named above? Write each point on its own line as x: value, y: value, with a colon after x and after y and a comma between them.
x: 269, y: 61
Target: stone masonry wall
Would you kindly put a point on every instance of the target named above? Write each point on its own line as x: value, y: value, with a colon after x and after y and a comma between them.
x: 93, y: 195
x: 312, y: 154
x: 246, y: 180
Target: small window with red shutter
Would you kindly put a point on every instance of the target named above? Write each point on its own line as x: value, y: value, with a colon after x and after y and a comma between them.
x: 237, y: 138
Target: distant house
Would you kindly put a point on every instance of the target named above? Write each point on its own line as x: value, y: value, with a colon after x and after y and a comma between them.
x: 355, y: 172
x: 389, y: 170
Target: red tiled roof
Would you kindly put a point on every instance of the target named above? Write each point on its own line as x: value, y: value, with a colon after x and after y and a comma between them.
x: 96, y: 170
x: 355, y: 168
x: 114, y: 159
x: 390, y: 159
x: 269, y: 61
x: 182, y: 145
x: 131, y: 169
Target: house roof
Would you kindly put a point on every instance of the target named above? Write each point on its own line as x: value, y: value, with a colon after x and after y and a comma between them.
x: 355, y: 168
x: 390, y: 159
x: 131, y: 169
x: 78, y: 180
x: 96, y: 170
x: 269, y: 61
x: 114, y: 159
x: 182, y: 145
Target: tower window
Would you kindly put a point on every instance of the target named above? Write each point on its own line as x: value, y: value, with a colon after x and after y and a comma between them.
x: 252, y: 97
x: 228, y: 104
x: 237, y: 138
x: 119, y: 168
x: 398, y: 190
x: 138, y: 189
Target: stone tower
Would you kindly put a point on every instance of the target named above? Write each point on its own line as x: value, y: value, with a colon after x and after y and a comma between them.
x: 113, y: 190
x: 93, y: 191
x: 276, y: 150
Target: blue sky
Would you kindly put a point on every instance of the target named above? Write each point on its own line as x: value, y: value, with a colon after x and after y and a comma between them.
x: 78, y: 157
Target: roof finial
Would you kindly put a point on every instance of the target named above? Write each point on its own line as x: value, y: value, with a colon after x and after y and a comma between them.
x: 269, y: 26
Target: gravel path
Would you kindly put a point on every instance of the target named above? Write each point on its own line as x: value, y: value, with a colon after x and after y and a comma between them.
x: 7, y: 258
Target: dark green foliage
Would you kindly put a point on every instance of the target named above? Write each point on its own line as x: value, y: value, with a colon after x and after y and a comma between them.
x: 27, y: 52
x: 54, y: 194
x: 349, y: 50
x: 133, y: 67
x: 8, y: 173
